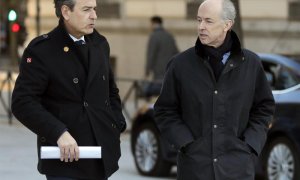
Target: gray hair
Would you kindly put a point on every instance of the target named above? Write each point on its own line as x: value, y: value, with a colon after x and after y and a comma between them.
x: 59, y: 3
x: 228, y: 11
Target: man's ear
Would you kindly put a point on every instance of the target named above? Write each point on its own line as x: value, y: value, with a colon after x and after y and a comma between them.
x: 65, y: 11
x: 228, y: 25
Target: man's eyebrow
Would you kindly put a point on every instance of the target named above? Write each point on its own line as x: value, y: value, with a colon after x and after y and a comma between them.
x: 89, y: 7
x: 198, y: 17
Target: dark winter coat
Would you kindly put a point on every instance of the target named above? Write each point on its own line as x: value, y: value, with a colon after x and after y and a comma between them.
x: 219, y: 127
x: 54, y: 93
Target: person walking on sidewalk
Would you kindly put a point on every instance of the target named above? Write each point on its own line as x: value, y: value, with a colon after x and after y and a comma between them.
x: 66, y: 94
x: 161, y: 47
x: 216, y: 105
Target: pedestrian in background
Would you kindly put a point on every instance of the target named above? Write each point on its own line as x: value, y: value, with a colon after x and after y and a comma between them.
x: 216, y: 104
x: 66, y: 94
x: 161, y: 47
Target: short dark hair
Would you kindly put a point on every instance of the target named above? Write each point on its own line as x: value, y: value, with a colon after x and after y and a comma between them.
x: 156, y: 19
x: 59, y: 3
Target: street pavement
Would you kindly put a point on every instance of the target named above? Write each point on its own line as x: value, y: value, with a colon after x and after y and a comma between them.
x: 18, y: 155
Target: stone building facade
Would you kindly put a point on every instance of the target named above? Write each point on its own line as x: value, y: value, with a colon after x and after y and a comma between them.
x: 268, y: 26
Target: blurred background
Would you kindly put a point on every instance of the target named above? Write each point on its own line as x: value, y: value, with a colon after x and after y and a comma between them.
x: 264, y: 26
x: 269, y: 26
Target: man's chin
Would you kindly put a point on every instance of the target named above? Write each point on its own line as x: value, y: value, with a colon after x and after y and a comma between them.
x: 203, y: 41
x: 89, y: 31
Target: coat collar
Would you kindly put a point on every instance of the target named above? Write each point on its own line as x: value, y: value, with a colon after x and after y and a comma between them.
x: 95, y: 38
x: 158, y: 28
x: 236, y: 57
x: 235, y: 50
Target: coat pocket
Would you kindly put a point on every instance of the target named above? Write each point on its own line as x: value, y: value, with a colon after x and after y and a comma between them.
x: 109, y: 119
x: 236, y: 162
x: 195, y: 163
x: 194, y: 146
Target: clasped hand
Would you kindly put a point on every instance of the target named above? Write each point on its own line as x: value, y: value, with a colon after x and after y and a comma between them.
x: 69, y: 150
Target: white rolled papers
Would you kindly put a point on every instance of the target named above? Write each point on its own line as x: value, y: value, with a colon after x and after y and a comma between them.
x: 85, y: 152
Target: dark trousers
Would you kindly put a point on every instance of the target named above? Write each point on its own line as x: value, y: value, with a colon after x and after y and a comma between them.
x: 63, y: 178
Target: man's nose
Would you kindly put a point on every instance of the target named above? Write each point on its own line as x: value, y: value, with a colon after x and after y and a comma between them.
x: 201, y: 25
x: 93, y: 15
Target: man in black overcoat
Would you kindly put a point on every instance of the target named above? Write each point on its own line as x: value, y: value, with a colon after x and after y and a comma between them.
x: 66, y: 94
x: 215, y: 105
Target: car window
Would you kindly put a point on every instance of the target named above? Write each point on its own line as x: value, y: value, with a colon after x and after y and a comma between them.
x: 286, y: 79
x: 270, y: 71
x: 279, y: 76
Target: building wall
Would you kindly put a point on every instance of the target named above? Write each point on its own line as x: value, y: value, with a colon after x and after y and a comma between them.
x: 146, y: 8
x: 265, y: 24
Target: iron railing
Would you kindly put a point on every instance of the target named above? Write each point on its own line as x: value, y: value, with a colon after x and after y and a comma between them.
x: 5, y: 100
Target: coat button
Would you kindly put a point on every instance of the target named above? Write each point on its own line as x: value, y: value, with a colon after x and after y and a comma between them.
x: 215, y: 126
x: 103, y: 77
x: 43, y: 139
x: 106, y: 103
x: 75, y: 80
x: 66, y: 49
x: 215, y: 160
x: 85, y: 104
x: 231, y: 65
x: 216, y: 92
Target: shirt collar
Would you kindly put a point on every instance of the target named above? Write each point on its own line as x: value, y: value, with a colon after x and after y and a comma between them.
x: 75, y: 39
x: 225, y: 57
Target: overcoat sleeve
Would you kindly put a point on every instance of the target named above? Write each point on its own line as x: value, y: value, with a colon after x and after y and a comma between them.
x: 168, y: 111
x: 26, y: 98
x: 261, y: 113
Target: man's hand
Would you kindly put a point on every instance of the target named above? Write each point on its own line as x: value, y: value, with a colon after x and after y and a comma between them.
x: 68, y: 147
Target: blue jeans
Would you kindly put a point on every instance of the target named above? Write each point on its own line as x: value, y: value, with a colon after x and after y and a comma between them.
x: 62, y: 178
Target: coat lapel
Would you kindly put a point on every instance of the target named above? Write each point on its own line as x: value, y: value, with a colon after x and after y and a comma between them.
x: 70, y: 59
x: 96, y: 61
x: 79, y: 71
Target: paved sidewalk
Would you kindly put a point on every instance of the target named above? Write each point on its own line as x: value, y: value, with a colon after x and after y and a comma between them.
x: 17, y: 152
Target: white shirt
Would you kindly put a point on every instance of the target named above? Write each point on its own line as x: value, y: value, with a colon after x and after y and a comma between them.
x: 75, y: 39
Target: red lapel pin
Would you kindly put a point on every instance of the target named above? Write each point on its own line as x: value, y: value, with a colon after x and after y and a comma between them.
x: 28, y: 60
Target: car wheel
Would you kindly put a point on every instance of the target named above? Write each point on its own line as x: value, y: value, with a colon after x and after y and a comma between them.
x: 282, y: 162
x: 148, y: 153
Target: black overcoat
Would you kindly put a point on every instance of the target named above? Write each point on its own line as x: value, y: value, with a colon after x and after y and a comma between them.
x: 223, y: 123
x: 54, y: 93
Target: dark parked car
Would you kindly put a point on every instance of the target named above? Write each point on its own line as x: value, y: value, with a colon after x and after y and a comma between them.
x: 280, y: 157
